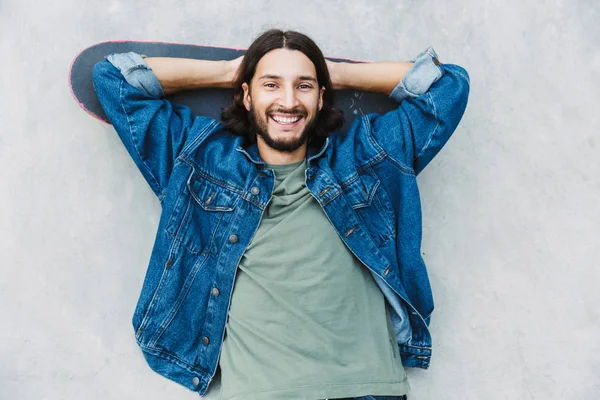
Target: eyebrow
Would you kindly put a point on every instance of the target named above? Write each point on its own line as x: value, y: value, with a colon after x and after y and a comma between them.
x: 301, y: 77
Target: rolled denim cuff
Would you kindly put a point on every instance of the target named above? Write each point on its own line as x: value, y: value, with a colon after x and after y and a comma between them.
x: 419, y: 77
x: 137, y: 72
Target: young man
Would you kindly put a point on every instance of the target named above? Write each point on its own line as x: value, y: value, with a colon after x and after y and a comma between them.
x: 288, y: 252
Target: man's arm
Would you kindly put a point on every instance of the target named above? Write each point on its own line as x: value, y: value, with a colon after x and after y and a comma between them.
x: 153, y: 130
x: 380, y: 77
x: 176, y: 74
x: 432, y: 98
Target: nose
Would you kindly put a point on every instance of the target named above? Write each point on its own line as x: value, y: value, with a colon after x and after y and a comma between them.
x: 288, y: 98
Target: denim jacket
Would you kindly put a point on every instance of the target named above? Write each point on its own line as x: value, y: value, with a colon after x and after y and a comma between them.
x: 214, y: 188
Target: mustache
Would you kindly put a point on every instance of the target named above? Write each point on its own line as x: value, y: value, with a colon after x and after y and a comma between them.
x: 294, y: 111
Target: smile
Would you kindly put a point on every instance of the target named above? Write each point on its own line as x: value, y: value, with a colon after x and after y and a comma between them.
x: 288, y: 121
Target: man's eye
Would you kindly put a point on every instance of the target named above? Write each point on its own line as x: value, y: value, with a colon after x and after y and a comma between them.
x: 305, y: 86
x: 270, y: 85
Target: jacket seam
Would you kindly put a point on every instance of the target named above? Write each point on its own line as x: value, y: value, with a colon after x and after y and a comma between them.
x: 380, y: 151
x: 189, y: 281
x: 225, y: 185
x: 200, y: 138
x: 430, y: 138
x: 167, y: 355
x: 464, y: 76
x: 398, y: 164
x: 134, y: 141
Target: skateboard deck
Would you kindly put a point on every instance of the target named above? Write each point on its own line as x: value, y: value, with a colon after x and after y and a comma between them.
x: 205, y: 102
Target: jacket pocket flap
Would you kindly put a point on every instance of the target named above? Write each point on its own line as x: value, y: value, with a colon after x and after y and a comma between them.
x: 211, y: 196
x: 360, y: 193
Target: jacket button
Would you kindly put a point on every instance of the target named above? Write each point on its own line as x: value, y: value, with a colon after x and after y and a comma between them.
x: 233, y: 238
x: 255, y: 190
x: 387, y: 270
x: 215, y: 292
x: 205, y: 340
x: 196, y: 381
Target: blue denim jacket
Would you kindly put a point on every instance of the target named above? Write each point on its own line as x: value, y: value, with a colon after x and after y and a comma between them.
x: 213, y: 189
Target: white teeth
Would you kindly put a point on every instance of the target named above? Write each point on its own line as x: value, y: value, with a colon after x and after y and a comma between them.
x: 283, y: 120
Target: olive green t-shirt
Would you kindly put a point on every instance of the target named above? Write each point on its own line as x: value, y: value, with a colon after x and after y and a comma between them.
x: 306, y: 319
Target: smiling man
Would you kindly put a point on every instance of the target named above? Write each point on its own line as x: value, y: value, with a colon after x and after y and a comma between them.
x: 287, y: 256
x: 284, y: 102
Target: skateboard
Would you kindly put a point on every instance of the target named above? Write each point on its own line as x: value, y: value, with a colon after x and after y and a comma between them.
x: 204, y: 102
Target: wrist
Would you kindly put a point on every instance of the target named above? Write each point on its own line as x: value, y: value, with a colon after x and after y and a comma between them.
x: 335, y: 74
x: 228, y: 73
x: 231, y: 68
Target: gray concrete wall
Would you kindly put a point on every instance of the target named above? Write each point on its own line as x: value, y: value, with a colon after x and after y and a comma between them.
x: 510, y: 205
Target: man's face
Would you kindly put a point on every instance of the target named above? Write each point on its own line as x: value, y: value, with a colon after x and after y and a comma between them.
x: 283, y: 99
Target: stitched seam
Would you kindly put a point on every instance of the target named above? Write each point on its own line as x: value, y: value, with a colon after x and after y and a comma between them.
x: 350, y: 180
x: 380, y: 151
x: 410, y: 93
x: 201, y: 136
x: 135, y: 68
x: 133, y: 141
x: 398, y: 164
x: 434, y: 130
x: 183, y: 294
x: 168, y: 355
x: 335, y: 195
x: 465, y: 77
x: 150, y: 310
x: 210, y: 178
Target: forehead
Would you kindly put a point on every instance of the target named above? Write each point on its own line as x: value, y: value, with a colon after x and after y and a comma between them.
x: 289, y: 64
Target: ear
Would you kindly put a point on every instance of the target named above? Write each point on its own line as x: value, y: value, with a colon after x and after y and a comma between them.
x: 247, y: 98
x: 321, y: 91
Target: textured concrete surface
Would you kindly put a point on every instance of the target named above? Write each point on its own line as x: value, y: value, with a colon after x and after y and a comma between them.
x: 511, y: 217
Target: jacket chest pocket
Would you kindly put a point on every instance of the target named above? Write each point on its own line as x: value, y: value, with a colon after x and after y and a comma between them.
x: 373, y: 207
x: 201, y: 214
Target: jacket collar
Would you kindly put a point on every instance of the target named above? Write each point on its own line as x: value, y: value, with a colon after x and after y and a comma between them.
x: 251, y: 153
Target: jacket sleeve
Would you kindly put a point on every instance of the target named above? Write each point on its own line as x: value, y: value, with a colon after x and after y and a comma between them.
x: 153, y: 130
x: 433, y: 98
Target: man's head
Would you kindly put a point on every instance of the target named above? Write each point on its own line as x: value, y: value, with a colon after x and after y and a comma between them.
x: 283, y: 95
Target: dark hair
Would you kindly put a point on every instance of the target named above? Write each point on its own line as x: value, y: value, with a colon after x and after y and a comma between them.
x: 235, y: 117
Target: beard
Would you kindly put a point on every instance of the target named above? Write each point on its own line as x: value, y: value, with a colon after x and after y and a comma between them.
x: 260, y: 126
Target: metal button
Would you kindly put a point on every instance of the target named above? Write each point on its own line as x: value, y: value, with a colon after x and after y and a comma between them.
x: 205, y: 340
x: 387, y: 270
x: 233, y: 238
x: 322, y: 192
x: 196, y: 381
x: 255, y: 190
x: 215, y: 291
